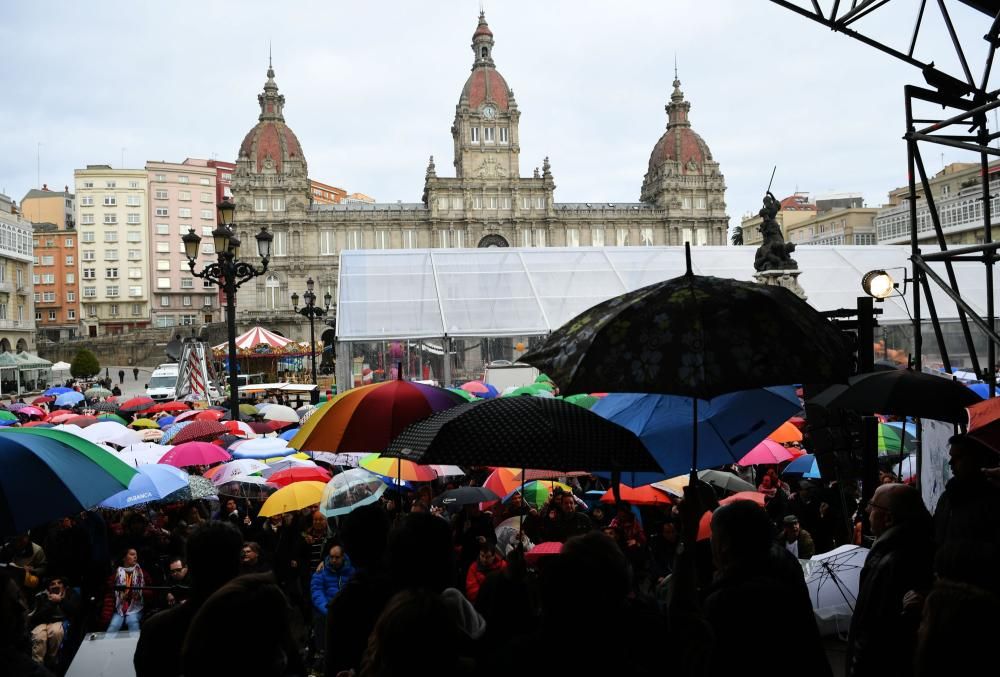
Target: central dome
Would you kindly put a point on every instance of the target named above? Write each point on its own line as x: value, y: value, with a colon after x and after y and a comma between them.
x: 680, y: 143
x: 485, y: 84
x: 271, y: 143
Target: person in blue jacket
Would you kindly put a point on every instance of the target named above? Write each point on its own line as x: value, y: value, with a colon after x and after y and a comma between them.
x: 330, y: 577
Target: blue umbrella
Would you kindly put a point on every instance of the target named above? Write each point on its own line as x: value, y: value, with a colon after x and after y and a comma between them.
x: 288, y: 434
x: 171, y: 431
x: 804, y: 465
x: 151, y: 483
x: 165, y: 421
x: 69, y: 399
x: 729, y: 426
x: 58, y: 390
x: 6, y: 422
x: 981, y: 389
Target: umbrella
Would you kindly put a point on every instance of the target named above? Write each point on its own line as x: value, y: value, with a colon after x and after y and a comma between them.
x: 673, y: 485
x: 109, y: 431
x: 14, y: 406
x: 293, y: 497
x: 38, y: 424
x: 280, y: 412
x: 198, y: 488
x: 61, y: 416
x: 136, y: 404
x: 467, y: 396
x: 503, y: 481
x: 367, y: 419
x: 109, y: 407
x: 81, y: 421
x: 696, y: 336
x: 173, y: 429
x: 289, y: 434
x: 248, y: 410
x: 447, y: 470
x: 227, y: 472
x: 754, y: 496
x: 69, y: 399
x: 187, y: 415
x: 285, y: 463
x: 728, y: 426
x: 542, y: 550
x: 538, y: 492
x: 522, y: 432
x: 726, y: 481
x: 585, y: 401
x: 240, y: 428
x: 199, y: 430
x: 767, y: 452
x: 111, y: 417
x: 265, y: 427
x: 479, y: 389
x: 981, y: 389
x: 646, y: 495
x: 261, y: 447
x: 142, y: 453
x: 152, y: 435
x: 97, y: 393
x: 304, y: 474
x: 44, y: 399
x: 833, y: 580
x: 28, y: 410
x: 48, y: 474
x: 896, y: 438
x: 904, y: 392
x: 805, y: 465
x: 57, y: 390
x: 164, y: 421
x: 398, y: 469
x: 785, y: 433
x: 466, y: 496
x: 349, y: 490
x: 166, y: 407
x: 144, y: 423
x: 208, y: 415
x: 8, y: 416
x: 195, y: 453
x: 150, y: 483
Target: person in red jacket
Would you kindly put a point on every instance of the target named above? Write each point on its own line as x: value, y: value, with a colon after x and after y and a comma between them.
x: 489, y: 562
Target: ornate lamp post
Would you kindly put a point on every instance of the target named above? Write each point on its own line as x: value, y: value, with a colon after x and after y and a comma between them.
x: 312, y: 311
x: 229, y: 273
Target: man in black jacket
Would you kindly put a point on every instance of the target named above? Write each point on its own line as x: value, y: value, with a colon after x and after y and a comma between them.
x: 969, y: 508
x: 883, y: 632
x: 53, y: 606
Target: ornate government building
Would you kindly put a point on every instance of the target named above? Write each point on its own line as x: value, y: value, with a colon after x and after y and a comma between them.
x: 488, y: 202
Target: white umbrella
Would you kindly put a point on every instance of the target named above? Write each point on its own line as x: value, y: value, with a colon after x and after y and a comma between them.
x: 447, y: 470
x: 61, y: 366
x: 349, y: 459
x: 260, y: 447
x: 833, y: 579
x: 111, y: 432
x: 143, y: 453
x: 279, y: 412
x: 229, y: 472
x: 285, y: 464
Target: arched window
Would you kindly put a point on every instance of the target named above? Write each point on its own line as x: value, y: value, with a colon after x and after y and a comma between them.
x: 486, y: 52
x: 271, y: 291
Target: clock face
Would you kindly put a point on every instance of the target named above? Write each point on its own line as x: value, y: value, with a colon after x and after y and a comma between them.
x: 489, y: 112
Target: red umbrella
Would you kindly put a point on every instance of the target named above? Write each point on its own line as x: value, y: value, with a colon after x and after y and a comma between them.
x: 646, y: 495
x: 167, y: 407
x: 239, y: 428
x: 187, y: 415
x: 542, y: 550
x: 136, y: 404
x: 199, y: 430
x: 265, y: 427
x: 754, y: 496
x: 208, y: 415
x: 767, y: 452
x: 303, y: 474
x: 80, y: 421
x: 44, y: 399
x: 195, y: 453
x: 62, y: 416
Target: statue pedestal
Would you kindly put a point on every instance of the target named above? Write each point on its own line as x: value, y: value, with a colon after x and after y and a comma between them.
x: 789, y: 279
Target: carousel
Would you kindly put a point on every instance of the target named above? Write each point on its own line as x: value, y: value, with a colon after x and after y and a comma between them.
x: 275, y: 357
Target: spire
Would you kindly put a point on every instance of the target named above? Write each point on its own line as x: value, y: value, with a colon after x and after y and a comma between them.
x: 677, y: 109
x: 482, y: 43
x: 271, y: 103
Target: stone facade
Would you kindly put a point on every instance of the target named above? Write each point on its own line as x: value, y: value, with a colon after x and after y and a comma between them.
x: 487, y: 203
x: 17, y: 311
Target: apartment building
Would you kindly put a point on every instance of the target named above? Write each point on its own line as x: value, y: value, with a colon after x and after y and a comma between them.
x: 112, y: 219
x: 17, y: 324
x: 55, y: 280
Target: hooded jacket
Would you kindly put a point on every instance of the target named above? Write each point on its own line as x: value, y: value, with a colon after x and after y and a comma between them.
x: 327, y: 582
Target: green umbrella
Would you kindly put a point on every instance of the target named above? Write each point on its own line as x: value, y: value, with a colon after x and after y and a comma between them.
x: 7, y: 416
x: 543, y: 378
x: 895, y: 440
x: 111, y: 417
x: 465, y: 395
x: 530, y: 389
x: 538, y: 492
x: 582, y: 400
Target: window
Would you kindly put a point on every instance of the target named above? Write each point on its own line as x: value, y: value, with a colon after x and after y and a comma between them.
x: 136, y: 309
x: 354, y: 239
x: 111, y: 273
x: 133, y: 219
x: 86, y: 219
x: 184, y: 195
x: 48, y: 260
x: 505, y: 203
x: 442, y: 203
x: 111, y: 236
x: 110, y: 200
x: 113, y: 310
x: 68, y: 242
x: 135, y: 291
x: 182, y: 179
x: 49, y: 297
x: 135, y: 273
x: 88, y: 184
x: 188, y: 320
x: 207, y: 284
x: 160, y: 194
x: 71, y: 314
x: 186, y: 301
x: 38, y: 316
x: 278, y: 204
x: 87, y: 201
x: 184, y: 212
x: 71, y: 296
x: 272, y: 287
x: 525, y: 203
x: 89, y: 292
x: 89, y: 255
x: 91, y: 310
x: 69, y: 260
x: 110, y: 219
x: 409, y: 239
x: 206, y: 197
x: 70, y: 278
x: 38, y: 297
x: 133, y: 184
x: 457, y: 203
x: 162, y: 229
x: 207, y: 301
x: 52, y: 315
x: 646, y: 237
x: 134, y: 236
x: 489, y: 134
x: 163, y: 283
x: 475, y: 134
x: 160, y: 177
x: 686, y: 234
x: 539, y: 237
x: 572, y: 237
x: 87, y: 236
x: 503, y: 135
x: 686, y: 203
x: 132, y: 201
x: 134, y: 254
x: 700, y: 203
x: 187, y: 283
x: 206, y: 248
x: 164, y: 301
x: 162, y: 211
x: 206, y: 214
x: 326, y: 242
x: 227, y: 177
x: 525, y: 237
x: 36, y: 279
x: 477, y: 202
x: 163, y: 247
x: 163, y: 264
x: 48, y: 243
x: 540, y: 202
x: 204, y: 181
x: 621, y: 237
x: 110, y: 254
x: 278, y: 245
x: 206, y: 231
x: 260, y: 204
x: 445, y: 239
x: 491, y: 202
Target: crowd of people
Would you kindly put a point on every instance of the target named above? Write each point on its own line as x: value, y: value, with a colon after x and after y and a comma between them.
x: 405, y: 585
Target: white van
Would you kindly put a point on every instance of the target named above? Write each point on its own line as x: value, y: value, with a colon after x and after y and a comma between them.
x: 163, y: 383
x: 503, y: 374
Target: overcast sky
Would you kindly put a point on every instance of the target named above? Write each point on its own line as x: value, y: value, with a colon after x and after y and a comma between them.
x: 371, y: 89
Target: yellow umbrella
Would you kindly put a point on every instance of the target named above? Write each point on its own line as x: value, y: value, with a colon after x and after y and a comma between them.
x: 674, y: 485
x: 398, y: 469
x: 295, y: 496
x: 144, y: 423
x: 299, y: 455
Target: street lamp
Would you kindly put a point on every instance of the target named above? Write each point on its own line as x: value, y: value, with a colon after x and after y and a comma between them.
x: 229, y: 273
x: 312, y: 311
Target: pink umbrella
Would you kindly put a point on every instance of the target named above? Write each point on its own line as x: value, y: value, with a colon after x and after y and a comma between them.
x: 766, y: 452
x: 31, y: 411
x: 542, y: 550
x: 195, y: 453
x: 187, y: 414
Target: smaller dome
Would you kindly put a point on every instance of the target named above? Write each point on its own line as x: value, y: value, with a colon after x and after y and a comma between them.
x: 482, y: 28
x: 691, y: 147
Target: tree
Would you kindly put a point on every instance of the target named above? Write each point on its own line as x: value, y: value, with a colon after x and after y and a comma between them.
x: 84, y: 365
x: 737, y: 237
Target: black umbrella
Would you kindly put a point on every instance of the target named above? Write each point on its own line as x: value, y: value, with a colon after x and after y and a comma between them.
x: 104, y: 406
x: 904, y: 392
x: 466, y: 496
x: 522, y: 432
x: 697, y: 336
